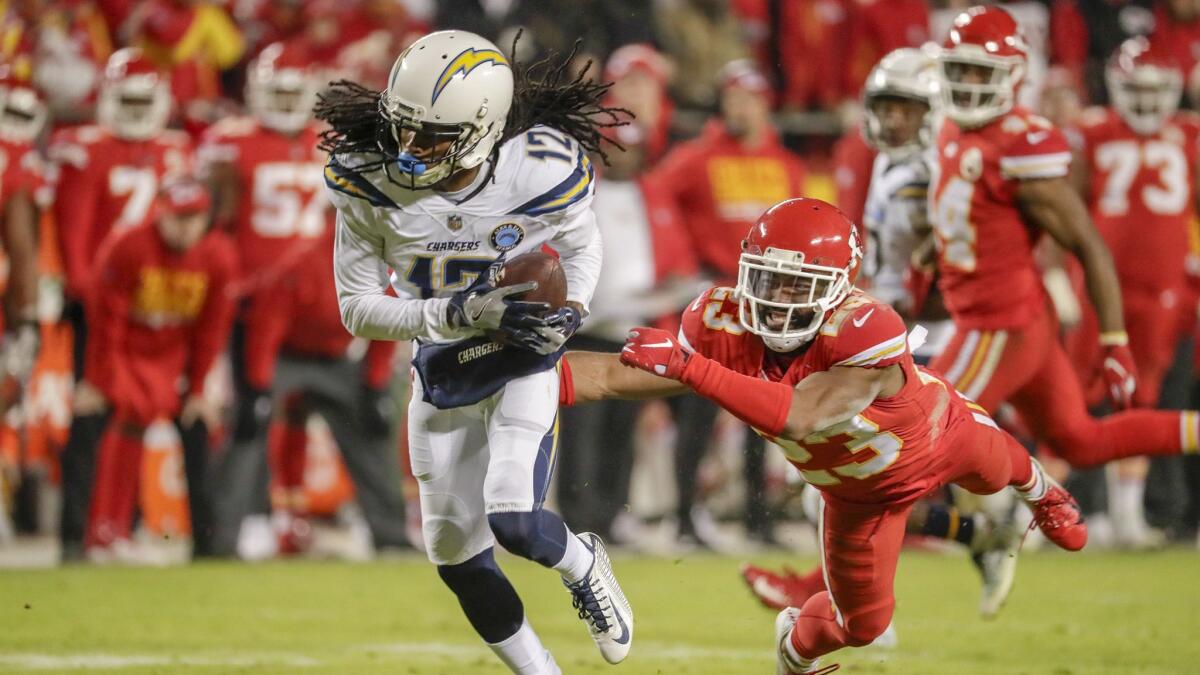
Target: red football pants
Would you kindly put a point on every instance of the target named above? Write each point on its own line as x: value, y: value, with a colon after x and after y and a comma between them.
x: 1029, y: 369
x: 115, y: 487
x: 860, y: 544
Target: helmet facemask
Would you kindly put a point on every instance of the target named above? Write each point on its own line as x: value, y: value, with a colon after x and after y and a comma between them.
x: 881, y: 137
x: 1145, y: 98
x: 135, y: 108
x: 977, y: 88
x: 404, y: 137
x: 784, y: 300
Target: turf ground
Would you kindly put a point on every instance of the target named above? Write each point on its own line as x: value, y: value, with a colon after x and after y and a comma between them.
x: 1103, y: 613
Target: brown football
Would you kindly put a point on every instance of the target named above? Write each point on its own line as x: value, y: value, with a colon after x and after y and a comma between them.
x: 534, y: 266
x: 540, y: 267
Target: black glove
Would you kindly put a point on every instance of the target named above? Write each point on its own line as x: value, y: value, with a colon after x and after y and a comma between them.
x: 485, y: 307
x: 559, y: 328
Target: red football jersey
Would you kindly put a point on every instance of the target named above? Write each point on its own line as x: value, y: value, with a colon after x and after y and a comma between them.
x: 1141, y: 195
x: 885, y: 453
x: 281, y: 204
x: 20, y: 169
x: 106, y: 184
x: 985, y: 248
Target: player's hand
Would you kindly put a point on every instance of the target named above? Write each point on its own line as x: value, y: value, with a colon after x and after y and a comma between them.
x: 198, y: 408
x: 19, y: 351
x: 1120, y: 373
x: 483, y: 306
x: 544, y: 340
x: 88, y: 400
x: 655, y: 351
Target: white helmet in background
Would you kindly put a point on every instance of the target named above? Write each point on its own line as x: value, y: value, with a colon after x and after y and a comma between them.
x: 448, y: 86
x: 909, y: 74
x: 135, y: 98
x: 22, y: 110
x: 281, y: 88
x: 1144, y: 84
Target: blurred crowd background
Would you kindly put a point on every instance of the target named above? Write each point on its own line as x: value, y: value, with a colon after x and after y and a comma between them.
x: 282, y: 420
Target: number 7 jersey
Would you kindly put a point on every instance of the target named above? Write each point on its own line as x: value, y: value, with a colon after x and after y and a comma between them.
x: 888, y: 452
x: 988, y: 277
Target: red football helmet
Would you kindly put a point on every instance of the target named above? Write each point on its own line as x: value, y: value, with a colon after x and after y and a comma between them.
x: 22, y: 111
x: 1144, y: 84
x: 798, y: 263
x: 982, y: 65
x: 281, y: 88
x: 135, y: 97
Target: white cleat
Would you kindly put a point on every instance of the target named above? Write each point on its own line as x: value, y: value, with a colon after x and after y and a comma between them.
x: 602, y: 604
x: 785, y: 663
x: 997, y: 564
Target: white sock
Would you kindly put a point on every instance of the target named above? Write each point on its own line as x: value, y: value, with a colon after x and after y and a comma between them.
x: 797, y: 660
x: 1036, y: 488
x: 524, y: 654
x: 576, y: 562
x: 1125, y: 505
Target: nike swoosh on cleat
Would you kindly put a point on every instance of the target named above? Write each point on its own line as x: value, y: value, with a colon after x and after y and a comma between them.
x: 624, y: 639
x: 858, y: 323
x: 765, y: 589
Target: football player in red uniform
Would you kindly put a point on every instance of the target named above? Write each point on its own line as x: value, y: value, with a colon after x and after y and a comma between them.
x: 159, y: 311
x: 824, y: 371
x: 1002, y: 183
x: 1137, y: 170
x: 109, y: 174
x: 268, y: 178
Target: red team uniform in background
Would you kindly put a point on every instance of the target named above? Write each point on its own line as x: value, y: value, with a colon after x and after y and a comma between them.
x: 1141, y: 197
x: 107, y: 184
x: 992, y: 288
x: 281, y: 213
x: 871, y: 468
x: 155, y: 316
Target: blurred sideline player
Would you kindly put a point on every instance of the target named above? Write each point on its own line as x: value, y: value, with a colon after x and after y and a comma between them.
x: 899, y: 102
x: 1001, y: 182
x: 449, y: 168
x: 266, y: 171
x: 1137, y: 171
x: 824, y: 371
x: 22, y: 116
x: 301, y: 351
x: 109, y: 175
x: 159, y: 311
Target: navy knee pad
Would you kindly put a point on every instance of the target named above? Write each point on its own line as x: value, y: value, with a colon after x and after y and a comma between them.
x: 486, y: 596
x: 540, y: 535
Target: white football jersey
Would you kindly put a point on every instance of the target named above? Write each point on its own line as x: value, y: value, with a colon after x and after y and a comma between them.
x: 436, y: 243
x: 896, y: 208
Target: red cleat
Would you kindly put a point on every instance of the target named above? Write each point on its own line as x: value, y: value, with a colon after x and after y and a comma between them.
x: 777, y: 591
x: 1057, y: 516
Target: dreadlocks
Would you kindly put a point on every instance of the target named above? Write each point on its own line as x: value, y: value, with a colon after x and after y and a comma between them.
x: 543, y: 94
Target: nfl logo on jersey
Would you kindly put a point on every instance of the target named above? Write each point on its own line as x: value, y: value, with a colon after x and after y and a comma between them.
x: 455, y: 223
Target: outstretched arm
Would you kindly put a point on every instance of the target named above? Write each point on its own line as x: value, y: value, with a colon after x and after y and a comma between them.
x: 819, y: 401
x: 594, y: 376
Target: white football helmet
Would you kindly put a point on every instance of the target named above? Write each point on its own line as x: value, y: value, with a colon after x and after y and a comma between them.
x: 448, y: 86
x: 1144, y: 84
x: 904, y: 73
x: 135, y: 97
x: 281, y: 88
x: 22, y: 111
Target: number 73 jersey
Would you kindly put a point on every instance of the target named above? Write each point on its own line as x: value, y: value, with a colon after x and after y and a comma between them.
x: 988, y: 277
x: 887, y: 453
x: 1141, y: 195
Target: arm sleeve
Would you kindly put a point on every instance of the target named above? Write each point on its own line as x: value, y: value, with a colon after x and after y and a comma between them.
x: 581, y: 251
x: 361, y: 278
x: 211, y: 330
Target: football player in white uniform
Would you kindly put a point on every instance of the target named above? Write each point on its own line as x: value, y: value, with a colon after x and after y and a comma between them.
x: 899, y: 101
x: 439, y: 177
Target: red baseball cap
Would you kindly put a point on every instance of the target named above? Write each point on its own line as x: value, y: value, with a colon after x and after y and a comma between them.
x: 743, y: 73
x: 184, y: 196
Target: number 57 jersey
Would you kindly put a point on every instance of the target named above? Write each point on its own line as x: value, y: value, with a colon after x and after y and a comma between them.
x: 889, y: 452
x: 988, y: 277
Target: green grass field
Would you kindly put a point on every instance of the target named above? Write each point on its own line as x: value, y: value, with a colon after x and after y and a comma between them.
x: 1108, y: 613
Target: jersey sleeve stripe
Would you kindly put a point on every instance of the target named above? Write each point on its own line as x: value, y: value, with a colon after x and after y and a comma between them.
x: 347, y: 182
x: 880, y: 352
x: 574, y: 188
x: 1036, y: 166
